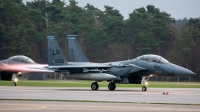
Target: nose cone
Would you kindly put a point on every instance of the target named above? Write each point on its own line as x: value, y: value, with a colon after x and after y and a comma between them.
x: 182, y: 71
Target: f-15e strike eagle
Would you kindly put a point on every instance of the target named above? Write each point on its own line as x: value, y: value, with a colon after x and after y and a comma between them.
x: 135, y: 71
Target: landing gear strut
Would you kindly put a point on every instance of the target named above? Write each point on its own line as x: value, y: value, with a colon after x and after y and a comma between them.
x: 94, y: 86
x: 111, y: 86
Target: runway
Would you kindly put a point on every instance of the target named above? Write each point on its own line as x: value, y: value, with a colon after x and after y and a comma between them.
x: 152, y: 95
x: 47, y: 106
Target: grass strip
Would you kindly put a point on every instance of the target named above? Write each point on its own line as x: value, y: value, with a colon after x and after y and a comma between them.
x: 75, y: 83
x: 161, y: 103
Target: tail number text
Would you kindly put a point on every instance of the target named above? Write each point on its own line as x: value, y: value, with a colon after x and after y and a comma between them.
x: 58, y: 61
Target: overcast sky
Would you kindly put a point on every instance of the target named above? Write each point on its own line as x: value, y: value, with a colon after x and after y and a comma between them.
x: 177, y: 8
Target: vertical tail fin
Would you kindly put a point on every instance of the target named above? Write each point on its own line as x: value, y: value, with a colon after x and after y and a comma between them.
x: 55, y: 55
x: 75, y: 51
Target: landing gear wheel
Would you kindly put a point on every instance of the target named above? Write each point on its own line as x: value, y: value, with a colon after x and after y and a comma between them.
x: 111, y: 86
x: 94, y: 86
x: 144, y: 88
x: 14, y: 84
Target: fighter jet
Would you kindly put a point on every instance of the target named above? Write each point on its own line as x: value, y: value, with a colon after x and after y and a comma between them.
x: 134, y: 71
x: 9, y: 69
x: 15, y: 66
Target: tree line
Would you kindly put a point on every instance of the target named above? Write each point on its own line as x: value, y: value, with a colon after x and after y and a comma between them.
x: 103, y: 35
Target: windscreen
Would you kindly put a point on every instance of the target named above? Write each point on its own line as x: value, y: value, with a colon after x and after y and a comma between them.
x: 153, y: 58
x: 163, y: 60
x: 22, y: 59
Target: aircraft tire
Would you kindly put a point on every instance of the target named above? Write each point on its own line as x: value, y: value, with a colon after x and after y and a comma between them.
x: 14, y: 84
x: 144, y: 88
x: 94, y: 86
x: 111, y: 86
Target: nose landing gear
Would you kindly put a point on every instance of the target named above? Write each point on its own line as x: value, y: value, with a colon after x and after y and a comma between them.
x: 15, y: 82
x: 144, y: 88
x: 145, y: 82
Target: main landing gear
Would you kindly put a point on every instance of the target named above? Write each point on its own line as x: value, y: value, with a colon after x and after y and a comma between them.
x: 111, y: 86
x: 95, y: 86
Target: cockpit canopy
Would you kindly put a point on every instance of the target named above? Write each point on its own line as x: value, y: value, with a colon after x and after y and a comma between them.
x: 153, y: 58
x: 22, y: 59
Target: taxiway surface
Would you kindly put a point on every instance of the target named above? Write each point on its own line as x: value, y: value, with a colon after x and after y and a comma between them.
x: 152, y: 95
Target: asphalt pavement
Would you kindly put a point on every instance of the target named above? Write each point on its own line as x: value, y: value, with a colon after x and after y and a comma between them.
x: 152, y: 95
x: 52, y: 106
x: 77, y: 99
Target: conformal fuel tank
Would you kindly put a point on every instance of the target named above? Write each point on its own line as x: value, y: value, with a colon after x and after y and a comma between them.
x: 93, y: 76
